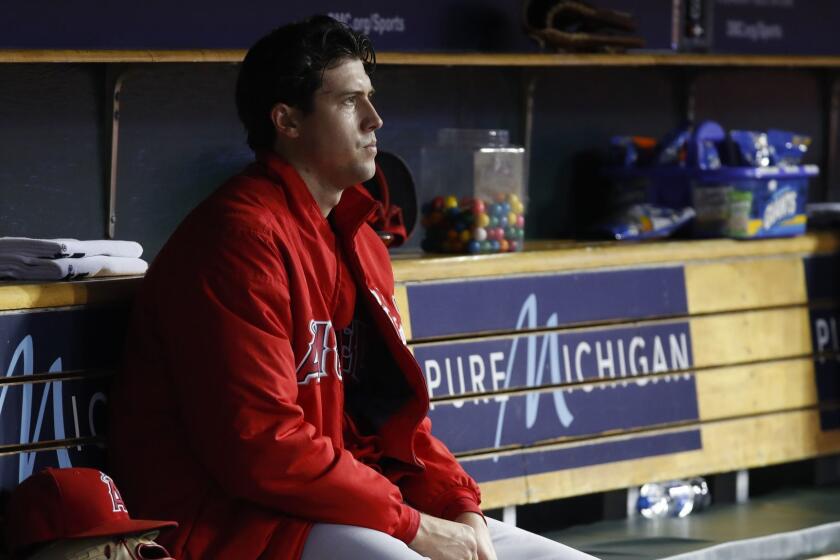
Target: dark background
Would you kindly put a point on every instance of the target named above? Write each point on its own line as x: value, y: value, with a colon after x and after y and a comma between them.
x: 180, y: 137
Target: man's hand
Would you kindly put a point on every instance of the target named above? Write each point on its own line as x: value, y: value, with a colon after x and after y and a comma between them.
x: 482, y: 534
x: 440, y: 539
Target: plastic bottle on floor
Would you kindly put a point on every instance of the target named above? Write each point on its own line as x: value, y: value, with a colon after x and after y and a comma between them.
x: 675, y: 498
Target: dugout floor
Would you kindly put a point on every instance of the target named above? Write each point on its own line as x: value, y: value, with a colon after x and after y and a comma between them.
x: 789, y: 524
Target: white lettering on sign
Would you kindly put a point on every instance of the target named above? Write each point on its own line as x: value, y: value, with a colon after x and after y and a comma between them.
x: 783, y: 206
x: 477, y: 373
x: 24, y: 355
x: 373, y: 23
x: 755, y: 32
x: 825, y: 331
x: 759, y: 3
x: 597, y: 358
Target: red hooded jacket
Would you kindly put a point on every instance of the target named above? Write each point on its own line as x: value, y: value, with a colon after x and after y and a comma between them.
x: 229, y: 415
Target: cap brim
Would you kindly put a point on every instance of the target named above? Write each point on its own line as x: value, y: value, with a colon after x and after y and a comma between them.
x: 124, y: 527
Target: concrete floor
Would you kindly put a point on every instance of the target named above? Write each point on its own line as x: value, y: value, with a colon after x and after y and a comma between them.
x: 794, y: 513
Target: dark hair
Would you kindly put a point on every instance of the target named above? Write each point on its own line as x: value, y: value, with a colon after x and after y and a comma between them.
x: 287, y: 66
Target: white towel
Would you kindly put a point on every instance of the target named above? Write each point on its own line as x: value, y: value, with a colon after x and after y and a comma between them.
x: 28, y: 268
x: 59, y: 248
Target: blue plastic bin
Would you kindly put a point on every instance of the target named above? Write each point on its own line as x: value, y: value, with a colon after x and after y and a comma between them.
x: 729, y: 201
x: 739, y: 202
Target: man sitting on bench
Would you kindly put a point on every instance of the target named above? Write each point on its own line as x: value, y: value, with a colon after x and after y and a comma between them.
x: 268, y: 387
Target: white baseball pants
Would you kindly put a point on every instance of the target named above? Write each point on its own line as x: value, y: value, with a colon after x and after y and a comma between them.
x: 347, y: 542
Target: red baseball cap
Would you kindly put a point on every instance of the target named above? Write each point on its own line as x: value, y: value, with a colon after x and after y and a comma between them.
x: 69, y: 504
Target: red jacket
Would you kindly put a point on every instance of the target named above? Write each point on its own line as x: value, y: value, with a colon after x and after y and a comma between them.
x: 229, y: 414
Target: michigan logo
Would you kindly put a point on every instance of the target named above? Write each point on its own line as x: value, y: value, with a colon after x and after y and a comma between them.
x: 321, y: 357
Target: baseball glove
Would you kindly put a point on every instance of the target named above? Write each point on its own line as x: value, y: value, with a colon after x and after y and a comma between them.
x: 576, y: 26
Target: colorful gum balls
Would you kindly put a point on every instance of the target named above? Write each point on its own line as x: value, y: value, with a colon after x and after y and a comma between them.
x: 472, y: 225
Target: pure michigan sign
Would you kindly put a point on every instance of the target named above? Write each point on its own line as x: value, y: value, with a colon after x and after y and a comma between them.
x: 539, y: 383
x: 41, y: 407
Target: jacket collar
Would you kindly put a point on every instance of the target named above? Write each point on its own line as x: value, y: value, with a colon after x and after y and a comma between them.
x: 355, y: 206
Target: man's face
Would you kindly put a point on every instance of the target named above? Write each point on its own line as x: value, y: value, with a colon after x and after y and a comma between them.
x: 338, y: 137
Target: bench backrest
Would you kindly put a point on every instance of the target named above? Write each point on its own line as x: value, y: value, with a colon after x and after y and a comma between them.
x: 675, y: 363
x: 60, y: 345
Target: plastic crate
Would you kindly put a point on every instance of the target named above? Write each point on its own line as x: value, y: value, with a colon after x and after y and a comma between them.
x: 729, y: 201
x: 740, y: 202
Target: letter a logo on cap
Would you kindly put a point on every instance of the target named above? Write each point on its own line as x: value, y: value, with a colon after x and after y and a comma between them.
x: 116, y: 500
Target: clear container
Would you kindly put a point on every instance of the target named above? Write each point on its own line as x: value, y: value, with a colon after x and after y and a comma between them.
x: 675, y: 498
x: 473, y: 181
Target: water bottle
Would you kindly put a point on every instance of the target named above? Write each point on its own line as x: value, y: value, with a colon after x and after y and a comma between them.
x: 675, y: 498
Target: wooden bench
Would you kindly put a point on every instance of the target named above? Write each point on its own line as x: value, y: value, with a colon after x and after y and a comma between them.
x: 639, y: 363
x: 60, y: 344
x: 564, y: 370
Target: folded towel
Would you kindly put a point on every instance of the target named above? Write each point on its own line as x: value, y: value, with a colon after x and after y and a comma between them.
x: 59, y: 248
x: 28, y: 268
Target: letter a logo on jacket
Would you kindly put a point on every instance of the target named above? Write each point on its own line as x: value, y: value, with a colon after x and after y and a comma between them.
x: 321, y: 357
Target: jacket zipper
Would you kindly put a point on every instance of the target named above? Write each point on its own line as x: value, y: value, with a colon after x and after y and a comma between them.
x: 392, y: 334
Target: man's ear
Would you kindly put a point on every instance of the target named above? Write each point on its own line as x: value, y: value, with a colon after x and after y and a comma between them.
x: 286, y: 120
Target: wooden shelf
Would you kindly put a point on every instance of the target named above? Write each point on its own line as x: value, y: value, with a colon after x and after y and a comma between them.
x: 554, y: 60
x: 542, y: 257
x: 110, y: 56
x: 36, y: 295
x: 533, y: 60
